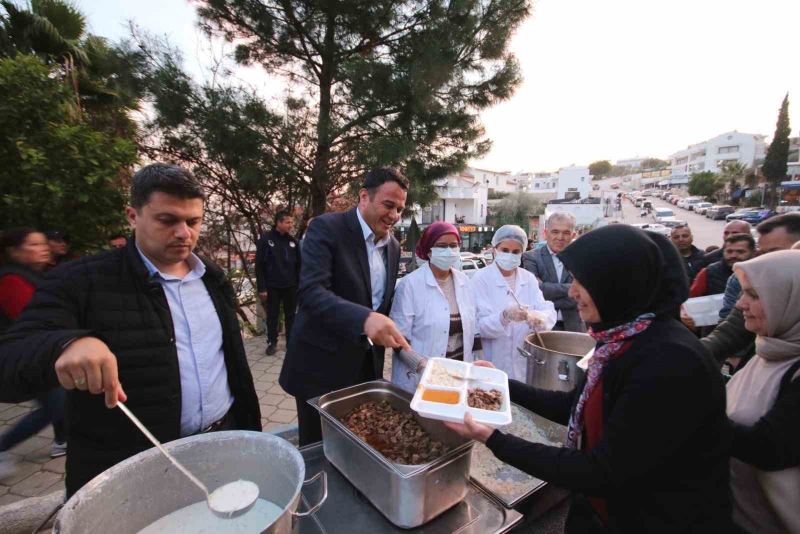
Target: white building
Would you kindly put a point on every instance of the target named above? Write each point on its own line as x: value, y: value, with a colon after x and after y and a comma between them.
x: 572, y: 181
x: 633, y: 163
x: 496, y: 182
x: 710, y: 155
x: 463, y: 197
x: 568, y: 182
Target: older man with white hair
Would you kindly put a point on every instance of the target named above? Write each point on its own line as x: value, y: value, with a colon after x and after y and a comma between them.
x: 554, y: 279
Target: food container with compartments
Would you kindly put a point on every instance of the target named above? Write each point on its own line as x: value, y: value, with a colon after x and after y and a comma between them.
x: 444, y: 395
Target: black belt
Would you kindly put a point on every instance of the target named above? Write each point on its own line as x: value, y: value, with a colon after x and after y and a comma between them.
x: 224, y: 423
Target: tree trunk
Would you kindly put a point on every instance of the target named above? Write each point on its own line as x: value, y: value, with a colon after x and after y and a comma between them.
x: 319, y: 172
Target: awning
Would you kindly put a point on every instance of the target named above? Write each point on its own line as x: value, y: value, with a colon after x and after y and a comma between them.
x: 790, y: 185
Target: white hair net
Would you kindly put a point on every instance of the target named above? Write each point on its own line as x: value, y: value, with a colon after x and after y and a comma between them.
x: 510, y: 231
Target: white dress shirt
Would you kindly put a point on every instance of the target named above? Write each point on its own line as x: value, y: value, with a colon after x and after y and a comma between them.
x: 559, y: 271
x: 375, y: 256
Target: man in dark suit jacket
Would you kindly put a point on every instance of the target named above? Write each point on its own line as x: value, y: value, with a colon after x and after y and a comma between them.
x: 554, y: 279
x: 347, y: 278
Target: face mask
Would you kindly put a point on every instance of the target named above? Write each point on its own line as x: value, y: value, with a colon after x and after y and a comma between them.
x: 508, y: 261
x: 445, y: 258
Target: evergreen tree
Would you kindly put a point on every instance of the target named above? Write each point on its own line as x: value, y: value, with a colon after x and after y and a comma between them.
x: 389, y: 81
x: 774, y: 167
x: 56, y: 171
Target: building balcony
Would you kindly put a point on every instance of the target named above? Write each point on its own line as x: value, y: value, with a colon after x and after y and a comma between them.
x: 457, y: 192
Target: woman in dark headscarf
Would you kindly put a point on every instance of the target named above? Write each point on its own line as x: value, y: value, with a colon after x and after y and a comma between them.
x: 646, y: 442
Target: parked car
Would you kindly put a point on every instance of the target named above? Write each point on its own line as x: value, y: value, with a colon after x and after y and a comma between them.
x: 471, y: 264
x: 702, y: 207
x: 654, y: 227
x: 663, y: 213
x: 755, y: 217
x: 720, y: 212
x: 672, y: 223
x: 738, y: 214
x: 692, y: 202
x: 674, y: 200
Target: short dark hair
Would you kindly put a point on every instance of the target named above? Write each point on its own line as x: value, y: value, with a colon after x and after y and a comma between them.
x: 281, y: 215
x: 735, y: 238
x: 377, y: 177
x: 170, y: 179
x: 790, y: 221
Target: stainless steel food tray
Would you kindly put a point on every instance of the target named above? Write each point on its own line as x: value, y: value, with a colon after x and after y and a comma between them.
x: 348, y: 511
x: 407, y: 495
x: 509, y: 485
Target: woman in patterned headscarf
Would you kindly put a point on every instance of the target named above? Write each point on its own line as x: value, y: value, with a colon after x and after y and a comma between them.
x: 646, y: 443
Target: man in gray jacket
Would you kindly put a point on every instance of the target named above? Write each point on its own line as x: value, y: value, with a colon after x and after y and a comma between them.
x: 554, y: 279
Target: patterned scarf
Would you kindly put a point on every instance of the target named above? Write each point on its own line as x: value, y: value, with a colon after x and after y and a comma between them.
x: 613, y: 339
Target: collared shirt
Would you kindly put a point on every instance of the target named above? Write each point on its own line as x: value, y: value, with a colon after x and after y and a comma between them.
x: 205, y: 394
x: 375, y: 256
x: 559, y: 271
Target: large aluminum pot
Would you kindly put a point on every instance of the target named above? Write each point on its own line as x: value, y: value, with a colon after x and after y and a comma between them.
x: 555, y: 368
x: 136, y: 492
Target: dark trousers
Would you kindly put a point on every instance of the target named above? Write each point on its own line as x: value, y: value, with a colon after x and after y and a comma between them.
x: 276, y: 296
x: 309, y: 426
x: 51, y: 410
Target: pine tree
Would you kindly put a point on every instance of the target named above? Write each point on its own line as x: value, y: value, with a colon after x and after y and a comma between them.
x: 774, y: 167
x: 389, y: 81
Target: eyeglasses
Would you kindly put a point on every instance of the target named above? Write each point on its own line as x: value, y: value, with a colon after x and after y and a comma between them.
x: 446, y: 245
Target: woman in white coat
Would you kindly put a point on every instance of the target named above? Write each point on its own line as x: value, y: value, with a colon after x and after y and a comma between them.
x: 433, y: 306
x: 502, y: 323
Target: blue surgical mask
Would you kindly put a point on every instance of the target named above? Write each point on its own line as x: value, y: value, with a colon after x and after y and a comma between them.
x: 507, y: 261
x: 446, y: 258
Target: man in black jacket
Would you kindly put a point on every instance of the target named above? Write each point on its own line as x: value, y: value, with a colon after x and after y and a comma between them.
x: 733, y: 227
x: 350, y: 263
x: 277, y: 275
x: 711, y: 280
x: 151, y: 317
x: 693, y: 257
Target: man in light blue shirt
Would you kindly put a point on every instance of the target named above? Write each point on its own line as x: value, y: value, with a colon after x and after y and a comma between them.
x: 150, y: 324
x: 205, y: 394
x: 376, y: 256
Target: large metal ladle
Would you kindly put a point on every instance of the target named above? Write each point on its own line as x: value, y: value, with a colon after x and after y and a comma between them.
x: 228, y: 500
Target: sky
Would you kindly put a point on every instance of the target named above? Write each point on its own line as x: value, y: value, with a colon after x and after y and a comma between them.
x: 611, y: 79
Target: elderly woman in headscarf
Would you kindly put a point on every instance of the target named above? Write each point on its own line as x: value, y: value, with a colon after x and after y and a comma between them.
x: 764, y: 398
x: 509, y: 303
x: 646, y: 443
x: 432, y: 306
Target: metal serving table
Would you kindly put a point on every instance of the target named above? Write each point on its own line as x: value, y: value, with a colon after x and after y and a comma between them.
x: 347, y: 511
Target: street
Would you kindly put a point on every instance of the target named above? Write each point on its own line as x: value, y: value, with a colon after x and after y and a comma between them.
x: 706, y: 232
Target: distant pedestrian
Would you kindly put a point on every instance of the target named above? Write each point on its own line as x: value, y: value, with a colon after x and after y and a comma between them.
x: 277, y: 276
x: 59, y: 247
x: 25, y: 255
x: 693, y: 258
x: 117, y: 241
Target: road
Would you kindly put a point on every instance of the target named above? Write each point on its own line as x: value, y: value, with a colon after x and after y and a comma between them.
x: 705, y: 231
